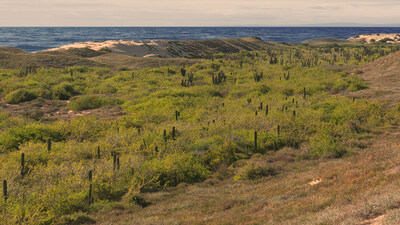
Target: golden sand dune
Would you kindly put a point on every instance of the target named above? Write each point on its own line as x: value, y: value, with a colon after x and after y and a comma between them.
x: 371, y: 38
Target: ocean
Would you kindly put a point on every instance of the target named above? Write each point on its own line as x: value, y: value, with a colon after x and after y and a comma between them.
x: 40, y: 38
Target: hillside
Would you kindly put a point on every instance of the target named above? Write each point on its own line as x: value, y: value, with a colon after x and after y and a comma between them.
x: 176, y: 49
x: 383, y: 79
x: 250, y: 137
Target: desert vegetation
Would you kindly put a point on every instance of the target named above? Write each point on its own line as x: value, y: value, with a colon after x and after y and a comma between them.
x: 182, y: 125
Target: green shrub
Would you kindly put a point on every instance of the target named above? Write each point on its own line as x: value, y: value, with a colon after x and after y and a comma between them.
x: 324, y: 145
x: 34, y: 132
x: 76, y: 219
x: 19, y: 96
x: 91, y: 102
x: 63, y: 91
x: 222, y: 155
x: 108, y: 191
x: 169, y: 171
x: 254, y: 172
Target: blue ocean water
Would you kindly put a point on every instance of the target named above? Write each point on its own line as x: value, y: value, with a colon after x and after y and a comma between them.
x: 40, y: 38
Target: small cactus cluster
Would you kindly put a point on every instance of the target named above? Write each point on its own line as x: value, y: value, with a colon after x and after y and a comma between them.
x: 286, y: 76
x: 189, y: 81
x: 219, y: 78
x: 257, y: 76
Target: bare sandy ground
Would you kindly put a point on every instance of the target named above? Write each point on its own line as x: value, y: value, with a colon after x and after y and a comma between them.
x: 370, y: 38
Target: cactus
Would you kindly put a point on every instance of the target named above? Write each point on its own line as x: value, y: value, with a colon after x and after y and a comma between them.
x: 261, y: 106
x: 118, y: 163
x: 176, y: 115
x: 90, y: 200
x: 256, y: 113
x: 257, y: 77
x: 49, y: 144
x: 22, y: 164
x: 98, y: 152
x: 294, y: 112
x: 114, y: 160
x: 183, y: 71
x: 90, y: 176
x: 5, y: 190
x: 266, y: 110
x: 173, y: 133
x: 219, y: 78
x: 165, y: 135
x: 286, y: 76
x: 255, y: 140
x: 304, y: 93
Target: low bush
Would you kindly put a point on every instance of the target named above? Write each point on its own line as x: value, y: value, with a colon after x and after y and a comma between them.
x: 253, y: 172
x: 19, y: 96
x: 91, y: 102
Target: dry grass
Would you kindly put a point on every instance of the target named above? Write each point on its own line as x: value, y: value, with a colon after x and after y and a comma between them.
x: 382, y: 77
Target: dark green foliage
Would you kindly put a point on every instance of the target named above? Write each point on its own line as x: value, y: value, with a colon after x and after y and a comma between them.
x: 19, y: 96
x: 17, y: 136
x: 138, y: 200
x: 63, y: 91
x: 107, y: 191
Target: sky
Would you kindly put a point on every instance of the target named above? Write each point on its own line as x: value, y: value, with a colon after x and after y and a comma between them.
x: 197, y: 12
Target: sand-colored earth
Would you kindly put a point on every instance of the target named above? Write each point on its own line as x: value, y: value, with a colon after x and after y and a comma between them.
x: 371, y: 38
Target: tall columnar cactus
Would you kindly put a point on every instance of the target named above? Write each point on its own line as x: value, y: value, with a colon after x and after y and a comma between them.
x: 304, y: 93
x: 266, y: 110
x: 173, y: 133
x: 294, y: 112
x: 90, y: 198
x: 49, y: 144
x: 165, y: 135
x: 98, y: 152
x: 117, y: 162
x: 176, y: 115
x: 90, y: 176
x: 255, y: 140
x: 22, y: 164
x: 5, y: 190
x: 261, y: 106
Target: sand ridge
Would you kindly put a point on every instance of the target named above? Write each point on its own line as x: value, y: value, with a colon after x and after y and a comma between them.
x: 371, y: 38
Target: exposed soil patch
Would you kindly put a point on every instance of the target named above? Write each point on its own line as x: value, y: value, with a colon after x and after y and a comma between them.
x: 41, y: 109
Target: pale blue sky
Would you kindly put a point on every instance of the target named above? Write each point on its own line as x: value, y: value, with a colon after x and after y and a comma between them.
x: 196, y: 12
